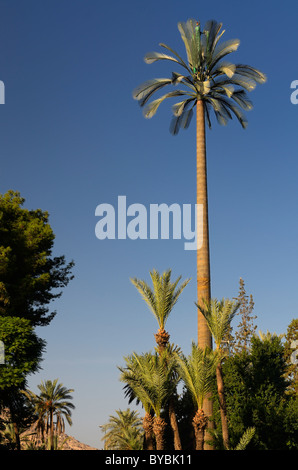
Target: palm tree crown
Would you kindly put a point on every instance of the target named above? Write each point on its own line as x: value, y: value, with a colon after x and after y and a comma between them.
x: 164, y: 295
x: 52, y: 402
x: 221, y: 85
x: 218, y: 315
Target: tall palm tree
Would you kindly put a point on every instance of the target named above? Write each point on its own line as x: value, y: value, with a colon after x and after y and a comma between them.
x: 149, y: 379
x: 160, y: 300
x: 197, y: 372
x: 52, y: 402
x: 218, y: 315
x: 123, y: 431
x: 208, y: 82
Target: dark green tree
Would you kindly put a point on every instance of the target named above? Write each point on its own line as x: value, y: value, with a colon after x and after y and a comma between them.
x: 22, y: 357
x: 257, y: 395
x: 291, y: 356
x: 30, y: 277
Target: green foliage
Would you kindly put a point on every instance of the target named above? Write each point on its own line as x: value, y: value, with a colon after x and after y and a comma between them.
x: 150, y: 379
x: 23, y: 351
x: 123, y: 431
x: 163, y: 296
x: 256, y: 395
x: 197, y: 372
x: 30, y: 277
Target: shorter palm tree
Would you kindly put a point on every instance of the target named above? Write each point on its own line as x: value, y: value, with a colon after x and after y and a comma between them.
x: 160, y: 300
x: 197, y: 372
x: 123, y: 431
x: 52, y: 402
x: 149, y: 380
x: 218, y: 315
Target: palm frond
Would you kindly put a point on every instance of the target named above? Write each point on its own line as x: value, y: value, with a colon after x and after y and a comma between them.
x: 223, y: 49
x: 220, y: 84
x: 152, y: 107
x: 177, y: 55
x: 150, y: 86
x: 197, y: 372
x: 218, y: 315
x: 163, y: 295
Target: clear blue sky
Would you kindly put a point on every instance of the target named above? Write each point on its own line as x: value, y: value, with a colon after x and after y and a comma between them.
x: 72, y: 137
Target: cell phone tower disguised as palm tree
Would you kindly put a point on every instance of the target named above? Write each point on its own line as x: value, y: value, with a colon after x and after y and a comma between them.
x: 209, y: 83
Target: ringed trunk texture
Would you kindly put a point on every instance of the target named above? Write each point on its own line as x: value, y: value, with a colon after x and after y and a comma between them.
x: 222, y: 404
x: 148, y: 431
x: 203, y: 255
x: 162, y: 338
x: 159, y: 426
x: 200, y: 423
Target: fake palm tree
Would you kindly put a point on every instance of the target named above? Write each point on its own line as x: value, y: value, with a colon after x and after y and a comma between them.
x: 218, y: 315
x: 197, y: 372
x: 208, y: 82
x: 160, y: 300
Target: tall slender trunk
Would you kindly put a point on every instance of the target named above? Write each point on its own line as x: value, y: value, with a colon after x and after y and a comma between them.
x: 203, y: 258
x: 51, y: 430
x: 222, y: 404
x: 174, y: 425
x: 203, y: 255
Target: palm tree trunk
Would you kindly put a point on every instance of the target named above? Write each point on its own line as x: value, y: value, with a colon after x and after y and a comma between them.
x: 200, y: 423
x: 222, y: 404
x: 203, y: 259
x: 174, y: 425
x: 159, y: 427
x: 51, y: 430
x: 148, y: 431
x: 203, y: 256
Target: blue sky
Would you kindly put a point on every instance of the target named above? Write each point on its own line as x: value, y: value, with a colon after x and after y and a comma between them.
x: 72, y: 137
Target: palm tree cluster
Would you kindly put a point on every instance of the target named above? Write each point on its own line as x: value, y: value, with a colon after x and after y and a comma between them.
x: 152, y: 378
x: 51, y: 407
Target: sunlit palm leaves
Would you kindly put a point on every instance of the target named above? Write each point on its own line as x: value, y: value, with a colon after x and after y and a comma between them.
x: 163, y: 295
x: 150, y: 379
x: 123, y: 431
x: 218, y: 315
x: 197, y: 372
x: 222, y: 85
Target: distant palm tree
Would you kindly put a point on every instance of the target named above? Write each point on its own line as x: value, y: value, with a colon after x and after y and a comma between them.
x: 218, y: 315
x: 149, y: 379
x: 209, y: 82
x: 123, y: 431
x: 52, y: 402
x: 160, y: 300
x: 197, y: 372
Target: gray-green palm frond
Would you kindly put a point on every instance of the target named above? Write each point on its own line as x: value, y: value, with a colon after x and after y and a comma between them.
x: 163, y: 295
x: 208, y: 76
x: 218, y: 315
x: 197, y: 372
